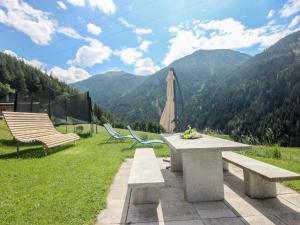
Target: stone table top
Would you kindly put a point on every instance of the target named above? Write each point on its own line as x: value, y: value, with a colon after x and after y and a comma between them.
x: 205, y: 143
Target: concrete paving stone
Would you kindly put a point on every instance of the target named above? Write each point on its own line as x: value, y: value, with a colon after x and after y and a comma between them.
x: 235, y: 183
x: 142, y: 213
x: 290, y: 218
x: 229, y: 193
x: 224, y: 221
x: 178, y: 210
x: 215, y: 213
x: 118, y: 193
x: 150, y: 223
x: 190, y: 222
x: 172, y: 194
x: 281, y: 190
x: 237, y: 209
x: 210, y: 205
x: 174, y: 182
x: 241, y: 207
x: 277, y: 205
x: 113, y: 213
x: 292, y: 198
x: 262, y: 220
x: 167, y: 174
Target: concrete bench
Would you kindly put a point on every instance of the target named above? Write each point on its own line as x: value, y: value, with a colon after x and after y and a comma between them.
x: 259, y: 178
x: 145, y: 177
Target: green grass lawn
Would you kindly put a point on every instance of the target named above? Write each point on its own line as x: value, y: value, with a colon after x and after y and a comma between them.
x: 290, y: 160
x: 69, y: 186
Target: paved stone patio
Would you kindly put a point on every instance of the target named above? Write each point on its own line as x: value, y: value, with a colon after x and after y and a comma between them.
x: 236, y: 209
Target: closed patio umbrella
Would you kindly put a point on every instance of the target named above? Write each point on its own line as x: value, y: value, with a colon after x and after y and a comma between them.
x: 167, y: 120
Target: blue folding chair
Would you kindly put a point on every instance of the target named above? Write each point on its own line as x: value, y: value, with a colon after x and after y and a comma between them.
x: 113, y: 134
x: 139, y: 140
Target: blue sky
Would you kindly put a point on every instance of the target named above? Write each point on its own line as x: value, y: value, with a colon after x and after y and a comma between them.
x: 74, y: 39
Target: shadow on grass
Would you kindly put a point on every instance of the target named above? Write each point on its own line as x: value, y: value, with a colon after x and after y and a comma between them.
x: 8, y: 142
x: 113, y: 142
x: 84, y: 135
x: 155, y: 147
x: 33, y: 152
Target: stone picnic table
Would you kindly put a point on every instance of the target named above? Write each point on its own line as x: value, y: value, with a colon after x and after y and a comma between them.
x: 201, y: 162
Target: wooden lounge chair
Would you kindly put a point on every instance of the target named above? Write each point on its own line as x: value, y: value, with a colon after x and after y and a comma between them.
x: 36, y: 127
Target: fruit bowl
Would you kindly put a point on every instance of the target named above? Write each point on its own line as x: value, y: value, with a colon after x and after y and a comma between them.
x: 190, y: 133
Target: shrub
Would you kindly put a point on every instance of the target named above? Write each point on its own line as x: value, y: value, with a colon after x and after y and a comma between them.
x: 270, y: 152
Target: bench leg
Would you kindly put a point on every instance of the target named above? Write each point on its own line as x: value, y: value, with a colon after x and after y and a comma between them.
x: 258, y: 187
x: 225, y: 166
x: 176, y: 161
x: 145, y: 195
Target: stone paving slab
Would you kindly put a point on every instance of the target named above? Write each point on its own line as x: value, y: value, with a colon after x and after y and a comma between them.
x: 173, y: 209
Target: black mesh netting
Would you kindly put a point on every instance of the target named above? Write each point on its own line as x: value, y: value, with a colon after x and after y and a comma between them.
x: 62, y: 108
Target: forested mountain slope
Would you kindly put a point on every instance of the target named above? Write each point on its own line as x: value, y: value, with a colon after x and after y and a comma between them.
x: 194, y: 71
x: 109, y: 87
x: 259, y: 101
x: 17, y: 75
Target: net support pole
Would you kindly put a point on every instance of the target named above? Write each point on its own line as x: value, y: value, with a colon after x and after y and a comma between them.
x: 49, y: 103
x: 16, y: 102
x: 31, y: 104
x: 90, y: 112
x: 66, y: 114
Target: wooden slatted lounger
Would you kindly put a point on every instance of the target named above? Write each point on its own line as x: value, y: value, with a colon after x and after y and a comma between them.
x: 36, y: 127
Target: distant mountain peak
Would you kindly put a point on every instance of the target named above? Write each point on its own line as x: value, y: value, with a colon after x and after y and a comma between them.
x: 114, y: 73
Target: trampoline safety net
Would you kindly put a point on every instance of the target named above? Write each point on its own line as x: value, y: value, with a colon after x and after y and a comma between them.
x: 61, y: 108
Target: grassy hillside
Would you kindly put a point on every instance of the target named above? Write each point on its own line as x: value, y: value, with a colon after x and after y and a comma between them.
x: 68, y: 186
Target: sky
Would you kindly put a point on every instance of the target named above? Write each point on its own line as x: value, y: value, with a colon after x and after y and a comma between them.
x: 75, y: 39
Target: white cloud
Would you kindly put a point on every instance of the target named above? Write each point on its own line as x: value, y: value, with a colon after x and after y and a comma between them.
x: 93, y: 29
x: 144, y: 45
x: 34, y: 62
x: 61, y: 5
x: 290, y: 8
x: 294, y: 22
x: 137, y: 30
x: 129, y: 55
x: 145, y: 66
x: 70, y: 75
x: 79, y: 3
x: 271, y: 13
x: 34, y: 23
x: 89, y: 55
x: 70, y: 32
x: 142, y: 31
x: 220, y: 34
x: 106, y: 6
x: 125, y: 23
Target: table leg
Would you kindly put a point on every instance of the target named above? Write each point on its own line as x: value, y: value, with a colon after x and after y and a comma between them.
x: 203, y: 176
x: 176, y: 161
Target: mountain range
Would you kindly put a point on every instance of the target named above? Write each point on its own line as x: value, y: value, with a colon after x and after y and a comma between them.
x: 136, y: 98
x: 254, y: 99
